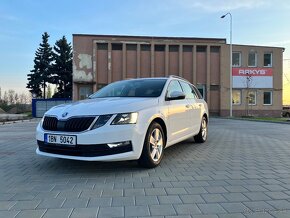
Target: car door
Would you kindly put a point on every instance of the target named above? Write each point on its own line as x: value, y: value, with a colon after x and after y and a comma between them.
x: 178, y: 112
x: 194, y: 115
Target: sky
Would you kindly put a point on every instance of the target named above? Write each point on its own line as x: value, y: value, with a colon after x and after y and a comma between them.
x: 22, y: 22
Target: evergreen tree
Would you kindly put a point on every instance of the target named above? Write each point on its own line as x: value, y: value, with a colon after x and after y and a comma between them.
x: 62, y: 68
x: 41, y: 74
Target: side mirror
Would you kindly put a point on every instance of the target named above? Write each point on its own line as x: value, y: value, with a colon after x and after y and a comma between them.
x: 175, y: 95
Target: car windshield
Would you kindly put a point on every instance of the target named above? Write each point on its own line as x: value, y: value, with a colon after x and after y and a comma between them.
x: 132, y: 88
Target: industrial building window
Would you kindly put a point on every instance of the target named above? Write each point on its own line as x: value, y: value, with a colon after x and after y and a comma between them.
x: 237, y: 97
x: 187, y: 48
x: 117, y: 46
x: 85, y: 91
x: 214, y: 49
x: 101, y: 85
x: 252, y: 59
x: 102, y: 46
x: 173, y: 48
x: 145, y: 47
x: 237, y: 59
x: 201, y: 89
x: 267, y: 98
x: 159, y: 47
x: 268, y: 60
x: 252, y: 95
x: 131, y: 47
x: 200, y: 48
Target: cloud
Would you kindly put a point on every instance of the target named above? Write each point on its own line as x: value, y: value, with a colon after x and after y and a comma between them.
x: 224, y: 5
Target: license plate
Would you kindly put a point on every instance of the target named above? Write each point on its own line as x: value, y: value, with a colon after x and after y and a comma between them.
x: 70, y: 140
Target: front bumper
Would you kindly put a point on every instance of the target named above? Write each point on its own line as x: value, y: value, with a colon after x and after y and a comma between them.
x: 93, y: 145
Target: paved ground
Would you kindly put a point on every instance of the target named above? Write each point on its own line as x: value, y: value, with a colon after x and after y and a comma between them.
x: 242, y: 171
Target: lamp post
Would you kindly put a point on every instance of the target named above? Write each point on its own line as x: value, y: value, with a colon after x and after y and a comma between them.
x: 231, y: 54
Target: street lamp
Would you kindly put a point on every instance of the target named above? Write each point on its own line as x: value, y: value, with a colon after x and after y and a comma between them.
x: 231, y: 53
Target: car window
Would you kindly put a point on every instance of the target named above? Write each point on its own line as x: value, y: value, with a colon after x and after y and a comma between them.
x: 188, y: 90
x: 198, y: 94
x: 172, y: 87
x: 132, y: 88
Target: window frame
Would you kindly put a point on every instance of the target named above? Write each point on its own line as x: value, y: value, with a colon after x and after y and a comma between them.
x: 270, y: 59
x: 240, y: 91
x: 271, y: 98
x: 167, y: 88
x: 255, y: 92
x: 240, y: 58
x: 256, y: 59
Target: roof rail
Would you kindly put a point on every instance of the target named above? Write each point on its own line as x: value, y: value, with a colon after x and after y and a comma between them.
x: 178, y: 77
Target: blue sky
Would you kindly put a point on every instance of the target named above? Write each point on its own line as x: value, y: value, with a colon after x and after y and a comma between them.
x: 259, y: 22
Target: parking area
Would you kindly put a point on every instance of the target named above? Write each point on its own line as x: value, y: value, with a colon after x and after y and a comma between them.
x: 243, y: 170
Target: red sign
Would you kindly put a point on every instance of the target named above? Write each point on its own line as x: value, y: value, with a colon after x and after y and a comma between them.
x: 252, y: 71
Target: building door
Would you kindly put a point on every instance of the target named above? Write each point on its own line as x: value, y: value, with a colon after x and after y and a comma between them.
x: 85, y: 91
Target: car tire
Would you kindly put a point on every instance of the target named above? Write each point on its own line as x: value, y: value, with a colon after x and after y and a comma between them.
x: 153, y: 147
x: 203, y: 131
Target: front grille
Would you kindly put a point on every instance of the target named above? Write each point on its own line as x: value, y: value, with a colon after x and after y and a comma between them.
x: 84, y: 150
x: 75, y: 124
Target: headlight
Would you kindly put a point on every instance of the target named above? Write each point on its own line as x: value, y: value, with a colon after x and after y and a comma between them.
x: 128, y: 118
x: 101, y: 121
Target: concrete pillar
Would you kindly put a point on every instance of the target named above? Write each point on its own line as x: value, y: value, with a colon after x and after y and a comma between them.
x: 166, y: 60
x: 180, y: 61
x: 124, y: 61
x: 95, y: 73
x: 194, y: 64
x: 208, y: 75
x: 138, y: 60
x: 152, y: 60
x: 109, y: 62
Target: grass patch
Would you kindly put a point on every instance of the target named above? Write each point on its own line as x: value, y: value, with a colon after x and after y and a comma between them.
x: 272, y: 119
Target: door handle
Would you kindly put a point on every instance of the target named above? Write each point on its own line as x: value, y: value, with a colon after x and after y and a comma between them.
x: 188, y: 106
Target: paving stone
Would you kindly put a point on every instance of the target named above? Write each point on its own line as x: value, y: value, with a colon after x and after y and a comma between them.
x: 232, y: 215
x: 258, y: 206
x: 134, y: 192
x: 277, y: 195
x: 146, y: 200
x: 98, y: 202
x: 131, y: 211
x: 215, y: 189
x: 52, y: 213
x: 235, y: 207
x: 107, y: 212
x: 112, y: 193
x: 75, y: 203
x: 172, y: 199
x: 188, y: 209
x: 161, y: 210
x: 257, y: 196
x: 175, y: 191
x: 235, y: 197
x: 280, y: 213
x: 26, y: 205
x: 155, y: 191
x: 84, y: 212
x: 123, y: 201
x: 6, y: 205
x: 235, y: 188
x: 188, y: 199
x: 258, y: 215
x: 31, y: 213
x: 196, y: 190
x: 8, y: 214
x: 280, y: 204
x: 51, y: 203
x: 213, y: 198
x: 211, y: 208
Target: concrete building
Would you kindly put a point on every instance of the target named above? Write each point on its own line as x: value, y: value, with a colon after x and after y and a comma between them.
x: 257, y: 70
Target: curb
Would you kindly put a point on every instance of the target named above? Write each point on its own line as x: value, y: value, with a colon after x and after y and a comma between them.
x: 261, y: 121
x: 16, y: 121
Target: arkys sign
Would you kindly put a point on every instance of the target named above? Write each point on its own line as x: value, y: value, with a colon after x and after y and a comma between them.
x: 252, y: 77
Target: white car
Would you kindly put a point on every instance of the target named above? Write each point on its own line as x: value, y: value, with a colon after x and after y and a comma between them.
x: 132, y: 119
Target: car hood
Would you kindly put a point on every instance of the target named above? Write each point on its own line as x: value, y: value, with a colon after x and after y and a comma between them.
x: 100, y: 106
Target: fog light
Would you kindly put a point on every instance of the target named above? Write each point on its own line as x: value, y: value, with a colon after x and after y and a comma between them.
x: 119, y: 144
